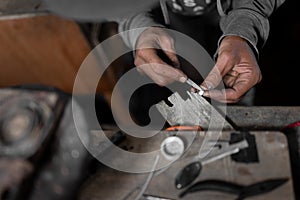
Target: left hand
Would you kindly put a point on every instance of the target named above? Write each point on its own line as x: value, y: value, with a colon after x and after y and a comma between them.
x: 237, y: 67
x: 148, y: 62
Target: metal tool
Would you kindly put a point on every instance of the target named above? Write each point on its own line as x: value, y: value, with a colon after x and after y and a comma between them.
x: 222, y: 152
x: 261, y: 187
x: 194, y: 85
x: 152, y: 197
x: 195, y: 110
x: 233, y: 188
x: 190, y: 172
x: 138, y: 192
x: 213, y: 185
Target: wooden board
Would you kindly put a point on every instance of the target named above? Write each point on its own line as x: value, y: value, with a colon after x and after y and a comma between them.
x: 42, y: 49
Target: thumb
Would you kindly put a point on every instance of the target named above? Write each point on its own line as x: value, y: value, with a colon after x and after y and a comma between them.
x: 215, y: 76
x: 212, y: 80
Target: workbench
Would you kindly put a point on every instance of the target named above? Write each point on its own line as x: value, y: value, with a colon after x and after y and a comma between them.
x: 265, y: 123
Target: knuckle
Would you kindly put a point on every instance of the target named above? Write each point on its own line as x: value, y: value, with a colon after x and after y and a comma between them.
x: 258, y: 75
x: 235, y: 98
x: 166, y: 40
x: 259, y: 78
x: 156, y: 69
x: 226, y: 55
x: 161, y: 82
x: 139, y: 68
x: 137, y: 62
x: 236, y: 95
x: 213, y: 78
x: 169, y: 40
x: 140, y: 53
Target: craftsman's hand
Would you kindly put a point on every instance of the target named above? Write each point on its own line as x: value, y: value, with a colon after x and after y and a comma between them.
x: 148, y: 61
x: 237, y: 67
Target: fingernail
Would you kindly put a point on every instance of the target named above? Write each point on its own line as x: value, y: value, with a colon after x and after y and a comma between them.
x: 203, y: 87
x: 205, y: 94
x: 207, y: 86
x: 182, y: 79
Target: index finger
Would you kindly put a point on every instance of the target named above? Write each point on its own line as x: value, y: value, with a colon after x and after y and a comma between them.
x: 223, y: 65
x: 150, y: 63
x: 230, y: 95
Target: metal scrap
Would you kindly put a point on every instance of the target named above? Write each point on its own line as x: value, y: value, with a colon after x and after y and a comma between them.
x: 196, y: 110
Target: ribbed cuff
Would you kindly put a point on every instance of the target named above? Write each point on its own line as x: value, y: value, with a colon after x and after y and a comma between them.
x: 250, y: 43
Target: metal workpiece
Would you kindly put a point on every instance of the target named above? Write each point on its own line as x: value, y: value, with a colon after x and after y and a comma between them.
x: 195, y: 110
x: 194, y: 85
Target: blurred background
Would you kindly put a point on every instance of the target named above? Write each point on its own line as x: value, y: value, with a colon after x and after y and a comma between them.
x: 40, y: 54
x: 41, y: 48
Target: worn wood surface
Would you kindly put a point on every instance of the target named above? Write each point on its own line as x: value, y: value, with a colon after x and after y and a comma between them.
x: 263, y: 117
x: 273, y: 154
x: 44, y: 49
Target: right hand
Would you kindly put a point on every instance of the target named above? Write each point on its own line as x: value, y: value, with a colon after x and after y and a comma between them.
x: 237, y: 67
x: 148, y: 62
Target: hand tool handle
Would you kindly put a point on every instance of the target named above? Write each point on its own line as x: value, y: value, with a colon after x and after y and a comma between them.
x: 188, y: 174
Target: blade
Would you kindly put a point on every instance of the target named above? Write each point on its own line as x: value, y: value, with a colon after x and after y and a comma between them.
x: 193, y: 84
x: 261, y: 187
x: 196, y: 110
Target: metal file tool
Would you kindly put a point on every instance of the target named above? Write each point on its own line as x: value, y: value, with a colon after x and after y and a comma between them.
x: 194, y: 85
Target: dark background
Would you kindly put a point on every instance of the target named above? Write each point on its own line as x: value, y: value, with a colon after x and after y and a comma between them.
x: 279, y: 59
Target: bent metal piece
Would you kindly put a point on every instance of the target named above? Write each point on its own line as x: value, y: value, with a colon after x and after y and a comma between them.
x: 243, y: 191
x: 196, y: 110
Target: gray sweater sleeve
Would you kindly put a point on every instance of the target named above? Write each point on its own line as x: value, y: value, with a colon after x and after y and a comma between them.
x: 249, y: 20
x: 246, y: 18
x: 136, y: 23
